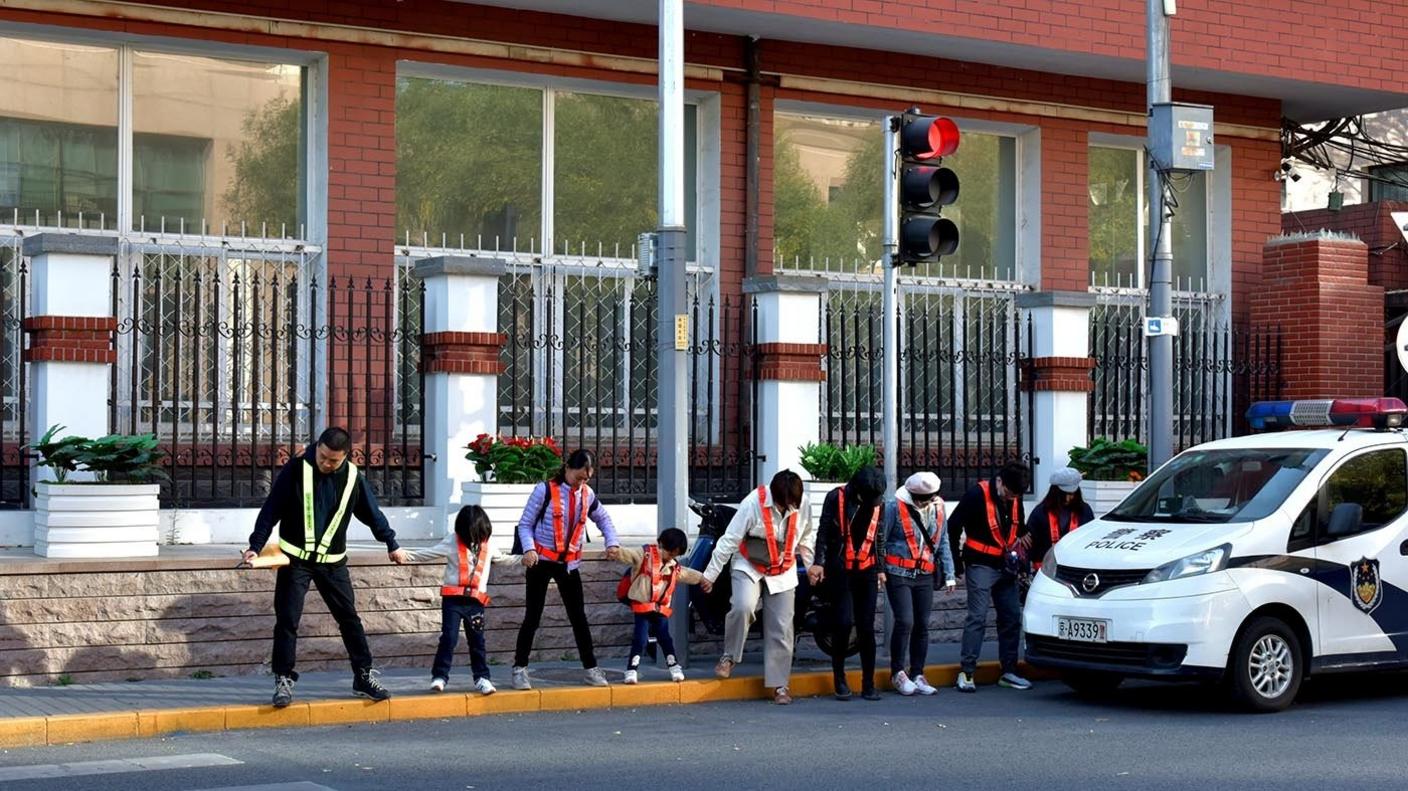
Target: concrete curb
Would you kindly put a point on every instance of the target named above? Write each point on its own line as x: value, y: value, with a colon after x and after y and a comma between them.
x: 59, y: 729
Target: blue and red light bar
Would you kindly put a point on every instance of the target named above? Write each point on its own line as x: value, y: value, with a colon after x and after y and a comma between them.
x: 1378, y: 413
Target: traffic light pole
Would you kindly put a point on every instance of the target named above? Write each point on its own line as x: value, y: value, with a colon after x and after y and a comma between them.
x: 1160, y: 91
x: 672, y: 482
x: 890, y: 334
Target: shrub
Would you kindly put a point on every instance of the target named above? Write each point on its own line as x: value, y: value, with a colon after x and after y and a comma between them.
x: 514, y: 459
x: 826, y: 462
x: 1107, y: 460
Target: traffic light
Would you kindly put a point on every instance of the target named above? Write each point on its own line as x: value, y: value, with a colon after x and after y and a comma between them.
x: 925, y: 188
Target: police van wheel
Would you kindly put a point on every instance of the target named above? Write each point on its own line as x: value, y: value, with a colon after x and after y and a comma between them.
x: 1091, y: 684
x: 1266, y: 668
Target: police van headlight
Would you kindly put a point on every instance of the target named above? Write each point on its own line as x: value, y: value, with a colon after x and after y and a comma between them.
x: 1204, y: 562
x: 1048, y: 563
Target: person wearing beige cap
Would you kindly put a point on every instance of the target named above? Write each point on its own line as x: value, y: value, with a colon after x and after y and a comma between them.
x: 915, y: 549
x: 1062, y: 510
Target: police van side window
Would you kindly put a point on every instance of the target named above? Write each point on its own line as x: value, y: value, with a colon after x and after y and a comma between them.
x: 1303, y: 529
x: 1377, y: 481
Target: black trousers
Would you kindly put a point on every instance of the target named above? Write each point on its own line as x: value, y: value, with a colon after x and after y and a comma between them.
x: 569, y: 585
x: 911, y: 602
x: 853, y: 597
x: 335, y: 586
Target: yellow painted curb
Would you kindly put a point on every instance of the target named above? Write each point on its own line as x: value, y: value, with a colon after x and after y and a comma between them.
x: 573, y: 698
x: 505, y: 702
x: 343, y: 712
x: 24, y: 732
x: 159, y: 721
x: 266, y: 716
x: 810, y: 685
x: 705, y: 691
x: 664, y: 693
x: 427, y: 707
x: 66, y: 728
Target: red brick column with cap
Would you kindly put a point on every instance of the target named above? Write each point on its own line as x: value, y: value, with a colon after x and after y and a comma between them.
x: 462, y: 352
x: 791, y: 362
x: 1059, y: 375
x: 1316, y: 289
x: 70, y: 339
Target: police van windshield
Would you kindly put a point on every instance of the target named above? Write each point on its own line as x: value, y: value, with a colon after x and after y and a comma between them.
x: 1204, y: 486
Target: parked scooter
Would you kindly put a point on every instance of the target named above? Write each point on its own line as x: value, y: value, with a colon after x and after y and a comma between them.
x: 813, y: 611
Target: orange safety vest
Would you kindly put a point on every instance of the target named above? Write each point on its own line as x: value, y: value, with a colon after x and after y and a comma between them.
x: 780, y: 561
x: 566, y: 548
x: 857, y: 559
x: 993, y: 527
x: 662, y: 586
x: 472, y: 583
x: 1056, y: 533
x: 920, y: 556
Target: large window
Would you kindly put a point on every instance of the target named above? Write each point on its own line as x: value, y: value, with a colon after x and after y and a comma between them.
x: 506, y: 167
x: 1119, y: 222
x: 1376, y: 481
x: 828, y: 194
x: 217, y: 143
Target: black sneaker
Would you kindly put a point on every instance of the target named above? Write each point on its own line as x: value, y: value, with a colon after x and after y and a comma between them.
x: 283, y: 691
x: 366, y: 684
x: 843, y: 690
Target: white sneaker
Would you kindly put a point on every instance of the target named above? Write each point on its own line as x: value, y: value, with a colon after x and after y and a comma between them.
x: 631, y: 677
x: 1013, y: 681
x: 485, y: 686
x: 437, y: 685
x: 924, y: 687
x: 676, y: 673
x: 903, y: 685
x: 965, y: 683
x: 520, y: 678
x: 597, y: 677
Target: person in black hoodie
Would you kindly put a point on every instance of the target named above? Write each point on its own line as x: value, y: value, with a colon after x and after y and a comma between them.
x: 1062, y: 510
x: 848, y: 560
x: 312, y: 502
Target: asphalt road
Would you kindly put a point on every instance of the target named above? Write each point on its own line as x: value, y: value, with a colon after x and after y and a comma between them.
x: 1343, y: 733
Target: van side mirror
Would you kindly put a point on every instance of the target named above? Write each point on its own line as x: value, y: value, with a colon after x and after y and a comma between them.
x: 1345, y: 520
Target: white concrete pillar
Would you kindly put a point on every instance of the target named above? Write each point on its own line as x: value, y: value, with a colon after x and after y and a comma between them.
x: 1060, y: 375
x: 790, y: 368
x: 70, y: 326
x: 460, y: 355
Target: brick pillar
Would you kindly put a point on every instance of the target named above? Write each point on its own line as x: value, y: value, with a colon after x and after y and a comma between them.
x: 1059, y: 375
x: 1316, y: 289
x: 789, y: 368
x: 460, y: 355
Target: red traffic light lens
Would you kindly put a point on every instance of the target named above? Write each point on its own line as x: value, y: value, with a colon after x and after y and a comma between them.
x: 927, y: 137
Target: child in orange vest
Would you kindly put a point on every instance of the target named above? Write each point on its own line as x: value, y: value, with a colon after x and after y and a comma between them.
x: 649, y: 589
x: 464, y: 594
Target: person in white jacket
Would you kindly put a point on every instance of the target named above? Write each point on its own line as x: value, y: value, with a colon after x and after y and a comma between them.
x: 464, y: 594
x: 761, y: 545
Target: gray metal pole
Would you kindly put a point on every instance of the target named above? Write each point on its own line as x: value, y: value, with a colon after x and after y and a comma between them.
x: 890, y: 335
x: 672, y: 483
x: 1161, y: 271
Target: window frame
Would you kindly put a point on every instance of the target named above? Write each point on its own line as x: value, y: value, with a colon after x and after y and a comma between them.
x: 1376, y: 187
x: 1321, y: 499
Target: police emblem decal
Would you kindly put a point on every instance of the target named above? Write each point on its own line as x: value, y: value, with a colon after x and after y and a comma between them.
x: 1365, y: 588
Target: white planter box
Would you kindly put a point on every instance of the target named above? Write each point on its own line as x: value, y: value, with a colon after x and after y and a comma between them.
x: 503, y: 502
x: 1103, y: 496
x: 96, y: 520
x: 815, y: 492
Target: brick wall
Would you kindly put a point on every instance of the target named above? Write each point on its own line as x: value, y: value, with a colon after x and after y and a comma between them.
x: 1373, y: 224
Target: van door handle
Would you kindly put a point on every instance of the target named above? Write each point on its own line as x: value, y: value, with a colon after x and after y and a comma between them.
x: 1403, y: 548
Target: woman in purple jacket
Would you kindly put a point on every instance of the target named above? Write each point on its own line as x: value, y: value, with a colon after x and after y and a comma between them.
x: 551, y: 531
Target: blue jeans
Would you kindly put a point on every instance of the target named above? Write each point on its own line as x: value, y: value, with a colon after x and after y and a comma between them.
x: 988, y: 586
x: 456, y: 610
x: 649, y: 625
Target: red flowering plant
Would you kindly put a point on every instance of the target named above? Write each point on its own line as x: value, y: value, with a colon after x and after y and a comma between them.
x: 514, y: 459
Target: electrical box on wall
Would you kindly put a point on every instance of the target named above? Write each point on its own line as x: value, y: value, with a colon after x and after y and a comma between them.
x: 1180, y: 136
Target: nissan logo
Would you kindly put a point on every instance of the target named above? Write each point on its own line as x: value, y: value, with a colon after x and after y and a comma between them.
x: 1090, y: 583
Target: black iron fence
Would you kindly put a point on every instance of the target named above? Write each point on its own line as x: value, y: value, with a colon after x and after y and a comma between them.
x: 581, y: 366
x: 14, y: 392
x: 227, y: 357
x: 962, y: 414
x: 1218, y: 371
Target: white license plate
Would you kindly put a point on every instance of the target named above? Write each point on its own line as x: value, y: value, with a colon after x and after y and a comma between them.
x: 1084, y: 630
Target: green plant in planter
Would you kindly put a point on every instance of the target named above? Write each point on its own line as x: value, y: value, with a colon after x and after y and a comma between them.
x: 827, y: 462
x: 1107, y: 460
x: 116, y: 458
x: 514, y: 459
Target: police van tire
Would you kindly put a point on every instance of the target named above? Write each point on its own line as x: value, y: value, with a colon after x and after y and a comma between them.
x: 1266, y: 668
x: 1092, y: 684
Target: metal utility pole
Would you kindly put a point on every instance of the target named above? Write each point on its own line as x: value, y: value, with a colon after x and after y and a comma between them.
x: 672, y: 482
x: 890, y: 408
x: 1160, y: 91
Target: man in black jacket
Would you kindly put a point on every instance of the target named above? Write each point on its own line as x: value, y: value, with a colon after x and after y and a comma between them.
x: 991, y: 520
x: 312, y: 501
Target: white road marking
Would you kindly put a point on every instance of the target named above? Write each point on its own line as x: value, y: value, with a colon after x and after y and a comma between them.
x: 116, y: 766
x: 303, y: 786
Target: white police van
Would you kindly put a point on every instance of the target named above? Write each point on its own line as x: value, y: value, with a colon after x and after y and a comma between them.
x: 1255, y: 562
